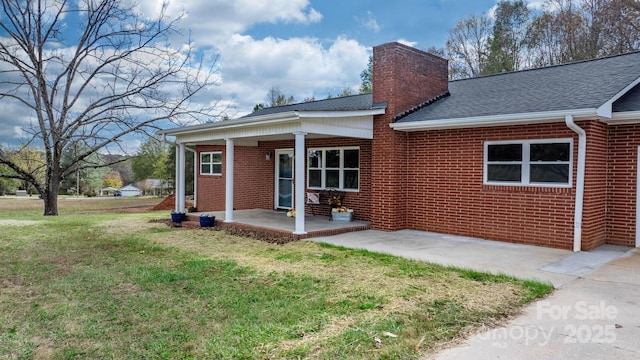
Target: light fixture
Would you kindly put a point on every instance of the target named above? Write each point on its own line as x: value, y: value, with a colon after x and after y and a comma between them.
x: 267, y: 155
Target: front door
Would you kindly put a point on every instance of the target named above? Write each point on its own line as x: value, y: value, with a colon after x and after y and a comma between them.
x: 284, y: 179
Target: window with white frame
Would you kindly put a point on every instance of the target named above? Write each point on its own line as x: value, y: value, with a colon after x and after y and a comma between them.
x: 528, y: 162
x: 334, y: 168
x: 211, y: 163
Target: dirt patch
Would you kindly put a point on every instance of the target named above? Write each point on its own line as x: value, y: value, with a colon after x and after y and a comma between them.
x: 129, y: 224
x: 130, y: 210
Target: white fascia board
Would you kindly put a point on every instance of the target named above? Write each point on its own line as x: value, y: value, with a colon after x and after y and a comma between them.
x: 496, y: 120
x: 606, y: 109
x: 231, y: 124
x: 340, y: 114
x: 621, y: 118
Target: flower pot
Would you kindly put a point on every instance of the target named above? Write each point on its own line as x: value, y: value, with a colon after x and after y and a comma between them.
x: 177, y: 217
x: 341, y: 216
x: 207, y: 221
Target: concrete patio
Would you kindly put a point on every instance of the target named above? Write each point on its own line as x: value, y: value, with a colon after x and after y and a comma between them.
x: 278, y: 222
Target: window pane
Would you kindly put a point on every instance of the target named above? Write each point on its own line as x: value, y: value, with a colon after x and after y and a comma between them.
x: 351, y: 179
x: 506, y: 152
x: 333, y: 158
x: 205, y: 169
x: 206, y: 158
x: 550, y: 152
x: 217, y: 169
x: 315, y: 159
x: 351, y: 159
x: 285, y: 193
x: 504, y: 173
x: 549, y: 173
x: 216, y: 158
x: 285, y: 167
x: 333, y: 178
x: 315, y: 178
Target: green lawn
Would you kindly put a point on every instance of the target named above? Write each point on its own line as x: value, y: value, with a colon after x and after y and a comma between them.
x: 100, y: 283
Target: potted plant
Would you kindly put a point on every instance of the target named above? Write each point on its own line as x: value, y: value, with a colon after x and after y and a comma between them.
x: 335, y: 202
x: 177, y: 216
x: 207, y: 220
x: 341, y: 214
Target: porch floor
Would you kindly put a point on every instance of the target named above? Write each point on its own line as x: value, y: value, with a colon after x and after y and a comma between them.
x: 278, y: 222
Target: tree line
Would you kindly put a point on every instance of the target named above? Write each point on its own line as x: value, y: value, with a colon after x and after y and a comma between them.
x: 154, y: 160
x: 517, y: 37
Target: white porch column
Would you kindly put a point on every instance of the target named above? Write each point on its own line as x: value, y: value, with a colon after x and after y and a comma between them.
x: 176, y: 187
x: 195, y: 178
x: 181, y: 175
x: 228, y: 207
x: 299, y: 157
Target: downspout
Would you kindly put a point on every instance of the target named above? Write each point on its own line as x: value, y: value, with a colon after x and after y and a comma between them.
x: 582, y: 156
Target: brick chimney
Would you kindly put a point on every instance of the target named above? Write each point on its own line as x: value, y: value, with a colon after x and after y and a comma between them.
x: 403, y: 77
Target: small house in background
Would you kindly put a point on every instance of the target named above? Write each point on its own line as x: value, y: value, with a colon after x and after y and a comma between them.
x: 129, y: 190
x: 155, y: 187
x: 108, y: 191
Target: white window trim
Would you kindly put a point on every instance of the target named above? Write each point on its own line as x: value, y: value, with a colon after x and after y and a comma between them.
x: 211, y: 163
x: 323, y: 167
x: 525, y: 163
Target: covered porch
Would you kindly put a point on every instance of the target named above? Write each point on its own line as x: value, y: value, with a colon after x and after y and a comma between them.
x: 277, y: 222
x: 239, y: 182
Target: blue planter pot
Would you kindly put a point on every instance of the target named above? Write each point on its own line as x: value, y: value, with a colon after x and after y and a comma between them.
x: 207, y: 221
x: 177, y: 218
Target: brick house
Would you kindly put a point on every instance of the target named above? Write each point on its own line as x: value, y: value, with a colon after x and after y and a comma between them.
x: 544, y: 156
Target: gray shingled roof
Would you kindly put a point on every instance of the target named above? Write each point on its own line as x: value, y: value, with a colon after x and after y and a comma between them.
x: 581, y: 85
x: 346, y: 103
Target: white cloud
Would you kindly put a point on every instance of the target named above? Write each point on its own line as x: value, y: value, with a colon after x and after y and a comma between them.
x: 370, y: 23
x: 407, y: 42
x: 212, y: 20
x: 301, y: 67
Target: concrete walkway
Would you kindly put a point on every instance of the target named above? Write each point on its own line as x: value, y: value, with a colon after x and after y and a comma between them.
x: 593, y: 314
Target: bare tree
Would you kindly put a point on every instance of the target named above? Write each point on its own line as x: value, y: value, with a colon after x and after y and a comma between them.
x: 467, y: 46
x: 92, y: 72
x: 578, y: 30
x: 275, y: 97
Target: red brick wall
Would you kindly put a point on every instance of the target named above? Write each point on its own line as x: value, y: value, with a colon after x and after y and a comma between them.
x: 447, y: 194
x: 594, y: 221
x: 403, y: 77
x: 254, y: 176
x: 622, y: 172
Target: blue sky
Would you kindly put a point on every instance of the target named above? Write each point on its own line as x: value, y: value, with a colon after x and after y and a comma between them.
x: 423, y: 22
x: 306, y: 48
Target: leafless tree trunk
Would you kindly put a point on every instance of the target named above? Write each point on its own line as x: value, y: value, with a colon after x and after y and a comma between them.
x: 467, y: 46
x: 93, y: 72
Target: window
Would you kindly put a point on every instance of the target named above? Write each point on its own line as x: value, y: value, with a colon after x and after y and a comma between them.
x: 334, y: 168
x: 534, y: 162
x: 211, y: 163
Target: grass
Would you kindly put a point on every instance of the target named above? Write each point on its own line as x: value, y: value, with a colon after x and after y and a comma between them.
x: 98, y: 283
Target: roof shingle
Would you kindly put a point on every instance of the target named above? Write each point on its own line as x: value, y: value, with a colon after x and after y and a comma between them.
x: 580, y: 85
x: 345, y: 103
